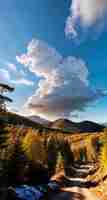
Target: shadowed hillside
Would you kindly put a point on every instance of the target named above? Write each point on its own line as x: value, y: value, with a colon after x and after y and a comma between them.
x: 15, y: 119
x: 85, y: 126
x: 63, y: 125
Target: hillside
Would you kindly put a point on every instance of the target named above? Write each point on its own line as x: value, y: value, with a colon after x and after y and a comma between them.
x: 18, y: 120
x: 85, y: 126
x: 39, y: 120
x: 60, y: 125
x: 105, y: 124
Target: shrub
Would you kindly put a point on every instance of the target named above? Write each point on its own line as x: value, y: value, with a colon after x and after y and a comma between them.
x: 103, y: 157
x: 33, y: 146
x: 59, y: 162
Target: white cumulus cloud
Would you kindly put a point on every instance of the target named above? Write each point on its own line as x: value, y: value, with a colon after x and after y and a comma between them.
x: 5, y: 77
x: 63, y: 87
x: 85, y: 13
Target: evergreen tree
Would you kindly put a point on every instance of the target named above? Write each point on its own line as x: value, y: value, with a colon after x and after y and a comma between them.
x: 2, y: 133
x: 52, y: 156
x: 3, y: 99
x: 15, y: 164
x: 3, y: 147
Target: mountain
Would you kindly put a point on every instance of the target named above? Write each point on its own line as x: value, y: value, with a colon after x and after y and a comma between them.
x: 85, y: 126
x: 105, y: 124
x: 18, y: 120
x: 62, y: 125
x: 38, y: 119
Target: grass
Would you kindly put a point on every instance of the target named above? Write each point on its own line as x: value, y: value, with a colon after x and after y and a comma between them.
x: 43, y: 145
x: 37, y: 141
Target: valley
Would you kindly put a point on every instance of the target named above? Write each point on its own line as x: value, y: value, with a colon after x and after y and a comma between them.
x: 76, y: 160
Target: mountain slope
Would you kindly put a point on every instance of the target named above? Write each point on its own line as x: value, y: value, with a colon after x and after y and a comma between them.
x: 85, y: 126
x: 15, y: 119
x: 38, y: 119
x: 62, y: 125
x: 105, y: 124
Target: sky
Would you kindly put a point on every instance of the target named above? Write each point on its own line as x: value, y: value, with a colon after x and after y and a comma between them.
x: 54, y: 54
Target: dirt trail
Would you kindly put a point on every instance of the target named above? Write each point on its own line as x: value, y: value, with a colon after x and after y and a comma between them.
x: 75, y: 188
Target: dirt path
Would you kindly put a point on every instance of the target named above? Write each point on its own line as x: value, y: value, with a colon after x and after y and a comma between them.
x: 74, y: 193
x: 75, y: 188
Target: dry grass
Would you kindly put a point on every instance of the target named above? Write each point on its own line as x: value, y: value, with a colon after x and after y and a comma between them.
x: 37, y: 143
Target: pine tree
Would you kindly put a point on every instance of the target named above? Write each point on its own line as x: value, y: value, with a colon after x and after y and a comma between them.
x: 15, y: 164
x: 52, y: 156
x: 3, y: 99
x: 3, y: 149
x: 2, y: 134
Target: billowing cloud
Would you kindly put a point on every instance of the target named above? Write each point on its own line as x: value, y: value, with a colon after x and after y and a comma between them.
x: 63, y: 87
x: 5, y: 77
x: 85, y: 14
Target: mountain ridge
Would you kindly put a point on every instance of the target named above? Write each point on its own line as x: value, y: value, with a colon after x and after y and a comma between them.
x: 62, y: 124
x: 83, y: 126
x: 38, y: 119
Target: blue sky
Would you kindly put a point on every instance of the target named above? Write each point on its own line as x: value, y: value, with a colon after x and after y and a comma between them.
x: 44, y: 21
